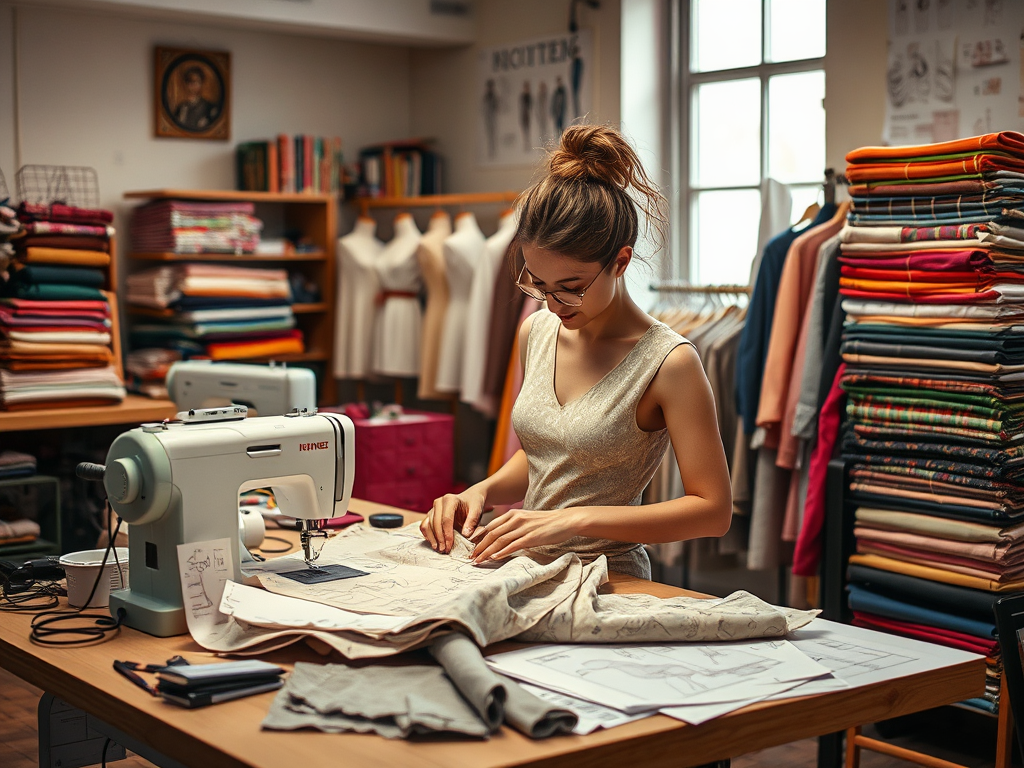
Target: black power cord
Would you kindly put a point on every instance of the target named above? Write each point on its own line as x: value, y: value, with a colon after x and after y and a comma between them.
x: 49, y: 625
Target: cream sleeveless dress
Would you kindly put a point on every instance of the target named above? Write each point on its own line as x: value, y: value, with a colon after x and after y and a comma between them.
x: 590, y: 452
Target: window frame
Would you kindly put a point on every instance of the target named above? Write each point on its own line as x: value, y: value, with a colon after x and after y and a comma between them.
x: 683, y: 84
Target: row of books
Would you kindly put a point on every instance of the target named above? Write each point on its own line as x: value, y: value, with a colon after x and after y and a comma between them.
x: 290, y: 164
x: 399, y: 170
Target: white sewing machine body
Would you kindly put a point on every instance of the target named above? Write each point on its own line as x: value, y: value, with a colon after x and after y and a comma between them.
x: 175, y: 483
x: 268, y: 390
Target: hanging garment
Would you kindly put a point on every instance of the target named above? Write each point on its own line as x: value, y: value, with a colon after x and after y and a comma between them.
x: 397, y: 330
x: 358, y: 284
x: 463, y: 250
x: 431, y: 259
x: 481, y: 296
x: 590, y: 449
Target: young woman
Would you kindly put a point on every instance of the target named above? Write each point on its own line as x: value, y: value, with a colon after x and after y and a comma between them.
x: 606, y: 387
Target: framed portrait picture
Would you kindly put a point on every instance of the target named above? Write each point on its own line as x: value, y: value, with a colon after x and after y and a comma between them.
x: 193, y: 94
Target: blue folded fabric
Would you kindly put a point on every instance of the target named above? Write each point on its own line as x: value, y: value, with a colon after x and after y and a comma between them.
x: 865, y: 601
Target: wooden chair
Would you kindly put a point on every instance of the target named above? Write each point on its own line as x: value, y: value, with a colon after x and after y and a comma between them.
x: 1009, y: 624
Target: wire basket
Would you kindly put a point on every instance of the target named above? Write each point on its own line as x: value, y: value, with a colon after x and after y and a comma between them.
x: 5, y: 194
x: 68, y: 184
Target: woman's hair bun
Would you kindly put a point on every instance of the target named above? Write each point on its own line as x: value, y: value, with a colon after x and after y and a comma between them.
x: 593, y: 153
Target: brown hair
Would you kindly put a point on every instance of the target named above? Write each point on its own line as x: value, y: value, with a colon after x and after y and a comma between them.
x: 586, y: 206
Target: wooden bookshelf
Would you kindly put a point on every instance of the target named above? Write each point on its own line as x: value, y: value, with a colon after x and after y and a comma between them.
x: 312, y: 214
x: 365, y: 204
x: 134, y: 410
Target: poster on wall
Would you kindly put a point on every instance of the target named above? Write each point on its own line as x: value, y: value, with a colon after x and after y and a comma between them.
x: 954, y: 69
x: 528, y: 92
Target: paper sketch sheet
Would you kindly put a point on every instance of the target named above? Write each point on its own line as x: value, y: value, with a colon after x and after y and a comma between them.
x: 637, y: 678
x: 204, y: 568
x: 411, y: 593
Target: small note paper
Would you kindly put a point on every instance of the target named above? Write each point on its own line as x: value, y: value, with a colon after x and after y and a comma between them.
x: 204, y: 567
x: 322, y: 574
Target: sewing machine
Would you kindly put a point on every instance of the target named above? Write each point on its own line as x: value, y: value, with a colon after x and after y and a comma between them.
x: 178, y: 482
x: 269, y: 390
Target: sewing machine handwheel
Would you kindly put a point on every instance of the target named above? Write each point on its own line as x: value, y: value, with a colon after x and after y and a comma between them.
x: 122, y: 480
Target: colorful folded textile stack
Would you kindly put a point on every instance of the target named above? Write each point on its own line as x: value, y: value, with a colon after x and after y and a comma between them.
x: 16, y: 464
x: 146, y: 369
x: 932, y: 281
x: 55, y: 320
x: 178, y: 226
x: 213, y: 310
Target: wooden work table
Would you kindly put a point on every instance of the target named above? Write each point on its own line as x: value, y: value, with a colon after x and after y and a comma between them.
x: 228, y: 735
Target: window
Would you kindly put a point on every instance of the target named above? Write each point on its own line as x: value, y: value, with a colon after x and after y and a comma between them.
x: 751, y: 107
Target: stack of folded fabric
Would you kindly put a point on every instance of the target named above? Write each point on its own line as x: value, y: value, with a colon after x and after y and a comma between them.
x: 212, y: 310
x: 933, y: 287
x: 55, y: 320
x: 178, y: 226
x: 146, y: 370
x: 16, y: 464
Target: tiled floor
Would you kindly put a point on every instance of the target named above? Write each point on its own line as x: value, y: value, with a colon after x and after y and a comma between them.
x: 964, y: 733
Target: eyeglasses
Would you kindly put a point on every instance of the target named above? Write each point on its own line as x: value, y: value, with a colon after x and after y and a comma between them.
x: 565, y: 298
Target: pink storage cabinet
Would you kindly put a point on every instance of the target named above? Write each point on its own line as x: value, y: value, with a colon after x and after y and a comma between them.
x: 406, y: 461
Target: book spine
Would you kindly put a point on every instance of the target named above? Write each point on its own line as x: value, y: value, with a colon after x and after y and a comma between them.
x: 273, y: 168
x: 300, y: 159
x: 307, y: 164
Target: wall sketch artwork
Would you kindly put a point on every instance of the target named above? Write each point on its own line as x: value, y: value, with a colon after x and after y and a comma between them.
x: 528, y: 92
x: 192, y: 93
x: 954, y: 69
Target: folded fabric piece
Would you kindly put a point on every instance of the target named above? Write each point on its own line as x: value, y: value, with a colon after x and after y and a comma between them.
x: 921, y: 260
x: 863, y: 600
x: 948, y: 313
x: 931, y: 573
x: 18, y: 531
x: 940, y: 482
x: 885, y: 361
x: 17, y: 464
x: 240, y: 350
x: 45, y: 273
x: 928, y: 634
x: 925, y: 189
x: 960, y: 500
x: 973, y: 603
x: 850, y: 234
x: 52, y: 292
x: 1006, y: 354
x: 58, y: 212
x: 32, y: 305
x: 67, y: 336
x: 150, y: 363
x: 854, y: 379
x: 883, y: 500
x: 905, y: 275
x: 1005, y: 553
x: 77, y: 242
x: 1009, y: 142
x: 63, y: 228
x: 855, y: 453
x: 39, y: 255
x: 953, y: 563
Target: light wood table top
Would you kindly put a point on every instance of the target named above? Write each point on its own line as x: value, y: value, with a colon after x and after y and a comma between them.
x: 229, y: 735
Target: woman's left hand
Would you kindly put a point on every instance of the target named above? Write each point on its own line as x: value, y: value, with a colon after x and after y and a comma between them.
x: 520, y: 529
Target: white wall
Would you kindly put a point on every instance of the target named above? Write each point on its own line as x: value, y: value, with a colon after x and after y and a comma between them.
x: 855, y: 66
x: 444, y: 88
x: 85, y: 83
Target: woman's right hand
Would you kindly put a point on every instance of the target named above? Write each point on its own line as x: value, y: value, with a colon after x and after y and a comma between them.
x: 451, y: 510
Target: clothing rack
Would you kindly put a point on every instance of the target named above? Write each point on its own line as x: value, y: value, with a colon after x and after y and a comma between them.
x: 434, y: 201
x: 688, y: 288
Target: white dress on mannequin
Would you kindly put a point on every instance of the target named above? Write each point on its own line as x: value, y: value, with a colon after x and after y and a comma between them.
x: 358, y: 285
x: 463, y: 250
x: 431, y: 258
x: 481, y: 296
x: 396, y: 347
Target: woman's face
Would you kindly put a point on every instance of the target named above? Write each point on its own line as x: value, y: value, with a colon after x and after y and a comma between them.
x: 551, y: 273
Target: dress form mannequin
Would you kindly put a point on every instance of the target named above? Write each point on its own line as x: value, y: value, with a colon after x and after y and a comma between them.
x: 431, y: 259
x: 396, y: 347
x: 358, y: 252
x: 463, y: 250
